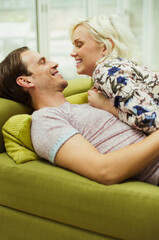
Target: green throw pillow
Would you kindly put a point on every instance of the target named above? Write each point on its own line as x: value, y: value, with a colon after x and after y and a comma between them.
x: 16, y: 133
x: 17, y: 139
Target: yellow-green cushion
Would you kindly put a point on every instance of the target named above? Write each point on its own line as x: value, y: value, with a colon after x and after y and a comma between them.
x: 79, y: 98
x: 16, y: 133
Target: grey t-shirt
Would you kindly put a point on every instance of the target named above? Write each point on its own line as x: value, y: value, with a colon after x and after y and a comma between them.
x: 53, y: 126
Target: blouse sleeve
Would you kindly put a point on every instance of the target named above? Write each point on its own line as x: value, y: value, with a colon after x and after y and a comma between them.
x: 119, y: 83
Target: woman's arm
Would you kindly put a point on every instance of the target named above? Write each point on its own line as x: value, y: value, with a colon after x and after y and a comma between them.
x: 135, y: 106
x: 78, y: 155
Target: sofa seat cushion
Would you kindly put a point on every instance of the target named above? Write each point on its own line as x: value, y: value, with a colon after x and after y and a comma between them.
x: 121, y: 211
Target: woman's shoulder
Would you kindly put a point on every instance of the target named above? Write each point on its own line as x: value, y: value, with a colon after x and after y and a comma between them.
x: 119, y: 62
x: 111, y: 67
x: 115, y: 64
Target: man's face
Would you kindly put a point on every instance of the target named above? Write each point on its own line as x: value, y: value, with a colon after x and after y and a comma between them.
x: 44, y: 73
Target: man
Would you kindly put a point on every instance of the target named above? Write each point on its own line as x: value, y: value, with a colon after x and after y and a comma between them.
x: 86, y: 140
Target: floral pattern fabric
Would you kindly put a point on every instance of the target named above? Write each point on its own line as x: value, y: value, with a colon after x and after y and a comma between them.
x: 133, y: 90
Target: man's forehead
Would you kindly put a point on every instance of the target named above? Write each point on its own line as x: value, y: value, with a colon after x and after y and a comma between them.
x: 30, y: 57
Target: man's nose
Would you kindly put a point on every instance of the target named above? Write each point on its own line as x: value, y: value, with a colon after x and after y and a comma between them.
x: 54, y: 64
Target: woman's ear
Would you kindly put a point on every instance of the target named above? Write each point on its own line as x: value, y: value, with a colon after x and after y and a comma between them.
x: 104, y: 50
x: 111, y: 42
x: 24, y: 81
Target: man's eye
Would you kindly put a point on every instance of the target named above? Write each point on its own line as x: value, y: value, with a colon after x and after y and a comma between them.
x: 43, y: 61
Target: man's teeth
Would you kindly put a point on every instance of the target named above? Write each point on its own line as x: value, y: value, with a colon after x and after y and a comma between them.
x: 54, y: 74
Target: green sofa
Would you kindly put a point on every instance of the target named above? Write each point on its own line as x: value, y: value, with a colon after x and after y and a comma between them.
x: 39, y: 201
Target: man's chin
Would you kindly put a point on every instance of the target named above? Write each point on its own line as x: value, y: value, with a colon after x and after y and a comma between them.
x: 65, y: 84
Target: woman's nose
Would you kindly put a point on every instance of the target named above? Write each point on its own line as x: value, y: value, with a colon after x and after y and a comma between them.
x: 73, y: 53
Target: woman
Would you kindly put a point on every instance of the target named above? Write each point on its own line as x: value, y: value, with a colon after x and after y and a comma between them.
x: 105, y: 49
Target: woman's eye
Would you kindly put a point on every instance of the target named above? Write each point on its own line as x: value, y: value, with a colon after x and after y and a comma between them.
x: 79, y: 45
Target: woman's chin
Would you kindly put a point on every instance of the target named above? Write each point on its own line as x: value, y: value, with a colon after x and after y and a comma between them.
x: 87, y: 72
x: 80, y: 71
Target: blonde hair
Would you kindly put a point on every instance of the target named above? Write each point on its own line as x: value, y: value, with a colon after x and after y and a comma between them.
x: 114, y: 33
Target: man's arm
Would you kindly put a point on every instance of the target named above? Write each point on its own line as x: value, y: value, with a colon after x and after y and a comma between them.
x: 78, y: 155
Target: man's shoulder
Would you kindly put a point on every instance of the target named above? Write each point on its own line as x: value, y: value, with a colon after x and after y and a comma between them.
x: 48, y: 110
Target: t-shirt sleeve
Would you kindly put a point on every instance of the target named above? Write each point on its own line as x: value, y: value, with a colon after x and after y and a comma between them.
x: 49, y: 131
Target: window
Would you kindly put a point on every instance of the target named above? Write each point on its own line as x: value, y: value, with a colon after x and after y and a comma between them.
x: 17, y: 25
x: 61, y: 16
x: 43, y: 25
x: 143, y: 16
x: 154, y: 41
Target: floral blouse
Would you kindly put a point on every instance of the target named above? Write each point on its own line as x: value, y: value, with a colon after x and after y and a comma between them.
x: 133, y: 90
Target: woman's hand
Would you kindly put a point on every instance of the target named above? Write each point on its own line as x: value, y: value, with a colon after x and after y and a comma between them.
x: 98, y: 100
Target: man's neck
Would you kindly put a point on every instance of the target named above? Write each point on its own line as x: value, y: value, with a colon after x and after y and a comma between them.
x: 53, y: 100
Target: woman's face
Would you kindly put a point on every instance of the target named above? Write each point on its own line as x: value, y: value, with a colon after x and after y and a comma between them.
x: 86, y: 51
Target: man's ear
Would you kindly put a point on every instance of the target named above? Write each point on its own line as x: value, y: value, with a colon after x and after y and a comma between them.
x: 24, y: 81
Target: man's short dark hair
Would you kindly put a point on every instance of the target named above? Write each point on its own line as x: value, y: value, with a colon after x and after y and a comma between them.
x: 10, y: 69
